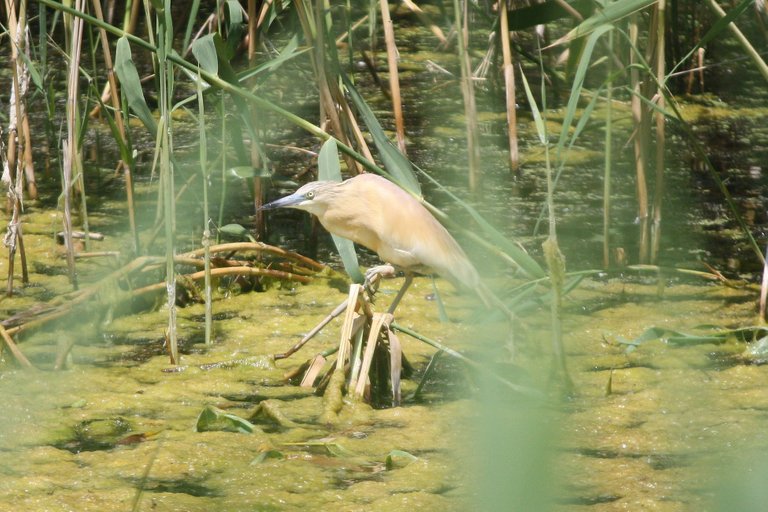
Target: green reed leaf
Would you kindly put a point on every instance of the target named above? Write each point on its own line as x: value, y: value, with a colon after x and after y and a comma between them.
x: 129, y: 79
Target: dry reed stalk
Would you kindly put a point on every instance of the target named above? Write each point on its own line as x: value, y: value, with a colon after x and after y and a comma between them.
x: 509, y: 88
x: 17, y: 353
x: 18, y: 144
x: 394, y: 79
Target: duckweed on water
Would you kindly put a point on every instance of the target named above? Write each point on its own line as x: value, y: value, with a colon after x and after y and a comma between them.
x: 662, y: 423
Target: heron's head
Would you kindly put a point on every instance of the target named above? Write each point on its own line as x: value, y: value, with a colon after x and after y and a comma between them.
x: 314, y: 197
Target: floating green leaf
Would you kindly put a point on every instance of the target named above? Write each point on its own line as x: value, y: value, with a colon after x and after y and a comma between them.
x: 399, y: 459
x: 214, y: 419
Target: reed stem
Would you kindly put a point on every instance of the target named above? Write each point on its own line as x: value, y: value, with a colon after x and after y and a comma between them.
x: 394, y: 80
x: 509, y: 88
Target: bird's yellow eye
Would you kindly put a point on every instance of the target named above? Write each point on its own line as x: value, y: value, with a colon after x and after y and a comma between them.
x: 310, y: 194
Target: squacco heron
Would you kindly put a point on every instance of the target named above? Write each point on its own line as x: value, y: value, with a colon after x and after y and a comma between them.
x: 374, y: 212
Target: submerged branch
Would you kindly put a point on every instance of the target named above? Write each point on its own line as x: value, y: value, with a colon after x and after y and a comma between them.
x: 41, y: 314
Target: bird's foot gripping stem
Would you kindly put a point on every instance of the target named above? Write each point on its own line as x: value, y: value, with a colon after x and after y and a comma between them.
x: 375, y: 274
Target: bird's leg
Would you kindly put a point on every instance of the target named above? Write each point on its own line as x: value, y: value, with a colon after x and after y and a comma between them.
x: 399, y: 296
x: 374, y: 274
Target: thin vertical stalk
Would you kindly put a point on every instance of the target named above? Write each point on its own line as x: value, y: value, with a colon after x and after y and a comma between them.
x: 394, y: 79
x: 165, y: 79
x: 258, y: 195
x: 764, y: 288
x: 608, y: 159
x: 509, y: 88
x: 556, y: 266
x: 118, y: 113
x: 72, y: 161
x: 224, y: 163
x: 468, y: 92
x: 206, y: 219
x: 639, y: 115
x: 658, y: 195
x: 554, y: 258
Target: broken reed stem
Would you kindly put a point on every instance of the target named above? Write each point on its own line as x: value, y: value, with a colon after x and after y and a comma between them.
x: 316, y: 329
x: 70, y: 300
x: 17, y: 354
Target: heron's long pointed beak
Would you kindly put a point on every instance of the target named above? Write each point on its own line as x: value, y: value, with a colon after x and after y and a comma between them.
x: 284, y: 202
